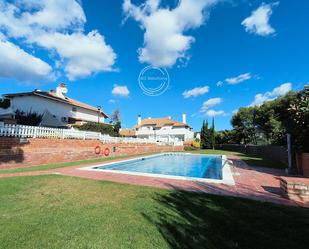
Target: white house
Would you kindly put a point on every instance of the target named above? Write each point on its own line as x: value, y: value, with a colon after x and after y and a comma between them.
x: 162, y: 129
x: 57, y: 109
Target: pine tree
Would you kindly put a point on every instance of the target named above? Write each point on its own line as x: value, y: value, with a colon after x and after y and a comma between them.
x: 213, y: 134
x: 205, y: 136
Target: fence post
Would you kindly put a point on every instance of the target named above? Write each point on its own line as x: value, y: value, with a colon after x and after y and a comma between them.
x: 35, y: 132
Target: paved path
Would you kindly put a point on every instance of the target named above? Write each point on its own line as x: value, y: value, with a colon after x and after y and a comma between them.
x: 253, y: 183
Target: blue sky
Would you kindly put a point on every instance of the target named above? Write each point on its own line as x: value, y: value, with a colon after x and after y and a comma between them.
x: 256, y: 50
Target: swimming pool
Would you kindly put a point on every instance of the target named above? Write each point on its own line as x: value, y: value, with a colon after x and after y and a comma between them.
x: 185, y: 166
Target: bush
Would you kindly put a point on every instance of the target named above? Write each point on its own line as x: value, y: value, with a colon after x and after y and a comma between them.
x: 190, y: 148
x: 196, y: 144
x: 5, y: 103
x: 102, y: 128
x: 29, y: 118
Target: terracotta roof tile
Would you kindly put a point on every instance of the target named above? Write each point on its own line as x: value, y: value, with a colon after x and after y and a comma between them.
x: 127, y: 132
x: 52, y: 95
x: 160, y: 122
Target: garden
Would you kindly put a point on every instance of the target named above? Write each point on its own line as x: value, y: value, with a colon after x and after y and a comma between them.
x: 66, y: 212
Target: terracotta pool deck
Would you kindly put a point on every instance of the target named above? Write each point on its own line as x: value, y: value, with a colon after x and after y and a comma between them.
x: 255, y: 183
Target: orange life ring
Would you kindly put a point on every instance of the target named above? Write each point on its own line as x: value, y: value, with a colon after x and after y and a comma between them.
x: 97, y: 150
x: 106, y: 152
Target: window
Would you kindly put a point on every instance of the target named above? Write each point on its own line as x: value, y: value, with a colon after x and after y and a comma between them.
x: 74, y: 109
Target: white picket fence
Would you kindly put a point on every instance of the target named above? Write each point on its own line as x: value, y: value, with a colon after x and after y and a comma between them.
x: 24, y: 131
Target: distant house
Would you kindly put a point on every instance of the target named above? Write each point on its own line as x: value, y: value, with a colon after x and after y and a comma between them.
x: 162, y: 129
x: 127, y: 133
x: 57, y: 109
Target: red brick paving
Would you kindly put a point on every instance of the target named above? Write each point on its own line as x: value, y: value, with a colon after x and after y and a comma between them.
x: 253, y: 183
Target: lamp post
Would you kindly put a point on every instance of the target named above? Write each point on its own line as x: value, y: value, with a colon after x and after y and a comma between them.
x: 99, y: 110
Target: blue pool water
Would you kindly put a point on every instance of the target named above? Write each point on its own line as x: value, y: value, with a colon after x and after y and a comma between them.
x: 187, y: 165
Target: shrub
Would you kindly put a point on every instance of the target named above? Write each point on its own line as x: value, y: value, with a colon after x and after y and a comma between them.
x: 196, y: 144
x: 28, y: 118
x: 189, y: 148
x: 102, y: 128
x: 5, y: 103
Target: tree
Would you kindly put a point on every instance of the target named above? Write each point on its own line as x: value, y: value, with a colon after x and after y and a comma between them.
x: 116, y: 116
x: 117, y: 127
x: 226, y: 137
x: 205, y: 136
x: 299, y: 111
x: 244, y: 124
x: 213, y: 134
x: 116, y: 121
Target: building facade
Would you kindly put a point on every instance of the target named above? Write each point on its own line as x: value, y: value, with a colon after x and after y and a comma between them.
x: 162, y: 129
x: 57, y: 109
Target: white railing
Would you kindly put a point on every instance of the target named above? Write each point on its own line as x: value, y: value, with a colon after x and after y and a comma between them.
x: 24, y: 131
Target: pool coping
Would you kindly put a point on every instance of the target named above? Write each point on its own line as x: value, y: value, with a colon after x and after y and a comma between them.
x: 227, y: 174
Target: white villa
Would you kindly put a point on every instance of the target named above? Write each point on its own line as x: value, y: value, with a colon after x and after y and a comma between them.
x: 161, y: 129
x: 57, y: 109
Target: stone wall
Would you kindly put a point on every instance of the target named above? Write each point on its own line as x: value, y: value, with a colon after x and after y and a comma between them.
x: 15, y: 152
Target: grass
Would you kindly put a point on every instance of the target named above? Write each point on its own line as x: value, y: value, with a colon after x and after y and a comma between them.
x: 252, y: 160
x: 61, y: 165
x: 66, y: 212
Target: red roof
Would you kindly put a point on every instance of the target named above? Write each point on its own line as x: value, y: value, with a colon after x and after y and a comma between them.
x: 53, y: 96
x: 160, y: 122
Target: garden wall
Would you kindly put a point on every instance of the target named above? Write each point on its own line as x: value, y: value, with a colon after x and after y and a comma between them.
x: 15, y: 152
x: 277, y: 153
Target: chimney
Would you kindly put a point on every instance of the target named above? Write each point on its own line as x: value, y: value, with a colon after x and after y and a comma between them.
x: 139, y: 120
x: 184, y: 118
x: 61, y: 90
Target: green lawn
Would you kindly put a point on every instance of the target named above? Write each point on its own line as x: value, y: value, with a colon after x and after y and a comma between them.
x: 61, y: 165
x: 66, y: 212
x: 251, y: 160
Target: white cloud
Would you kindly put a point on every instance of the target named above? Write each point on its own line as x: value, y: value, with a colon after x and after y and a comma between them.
x: 18, y: 64
x: 276, y: 92
x: 85, y: 54
x: 26, y: 17
x: 211, y: 103
x: 57, y: 26
x: 121, y: 91
x: 219, y: 83
x: 258, y: 22
x: 195, y: 92
x: 238, y: 79
x: 213, y: 113
x: 164, y: 39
